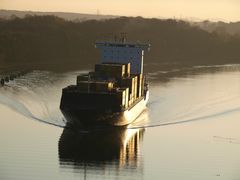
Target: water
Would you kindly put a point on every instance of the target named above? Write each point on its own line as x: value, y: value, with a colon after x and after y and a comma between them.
x: 190, y: 130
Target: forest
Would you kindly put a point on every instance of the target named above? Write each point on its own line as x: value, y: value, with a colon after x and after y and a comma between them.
x: 50, y: 42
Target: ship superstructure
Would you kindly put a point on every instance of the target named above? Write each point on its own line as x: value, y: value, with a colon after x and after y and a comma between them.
x: 115, y: 93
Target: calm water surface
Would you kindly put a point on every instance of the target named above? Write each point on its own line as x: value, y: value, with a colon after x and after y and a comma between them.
x: 190, y: 130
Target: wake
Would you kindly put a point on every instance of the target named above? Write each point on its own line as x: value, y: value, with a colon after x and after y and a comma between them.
x: 200, y: 118
x: 37, y: 96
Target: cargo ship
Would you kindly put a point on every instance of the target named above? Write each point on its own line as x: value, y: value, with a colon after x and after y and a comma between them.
x: 115, y: 93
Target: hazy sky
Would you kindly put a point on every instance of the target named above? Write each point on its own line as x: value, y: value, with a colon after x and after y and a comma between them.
x: 228, y: 10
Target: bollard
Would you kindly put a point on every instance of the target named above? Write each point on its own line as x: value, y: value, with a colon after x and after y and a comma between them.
x: 6, y: 79
x: 2, y: 82
x: 11, y: 77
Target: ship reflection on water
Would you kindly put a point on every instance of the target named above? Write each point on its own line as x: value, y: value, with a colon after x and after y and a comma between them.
x: 117, y: 148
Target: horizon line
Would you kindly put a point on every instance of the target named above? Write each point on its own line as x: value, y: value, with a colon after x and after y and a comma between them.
x: 188, y: 19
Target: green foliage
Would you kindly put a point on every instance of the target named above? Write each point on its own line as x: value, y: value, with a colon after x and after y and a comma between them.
x: 46, y: 40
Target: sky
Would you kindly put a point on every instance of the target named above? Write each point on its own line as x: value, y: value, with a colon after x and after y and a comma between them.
x: 225, y: 10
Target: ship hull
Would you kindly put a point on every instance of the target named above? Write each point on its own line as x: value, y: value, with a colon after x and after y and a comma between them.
x: 84, y: 117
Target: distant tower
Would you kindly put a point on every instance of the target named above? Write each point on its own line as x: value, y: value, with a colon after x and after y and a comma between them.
x: 120, y: 51
x: 98, y: 12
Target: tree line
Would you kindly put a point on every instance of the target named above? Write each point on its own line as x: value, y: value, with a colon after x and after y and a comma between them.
x: 49, y: 41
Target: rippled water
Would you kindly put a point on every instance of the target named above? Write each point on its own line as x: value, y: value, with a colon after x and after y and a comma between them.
x: 190, y: 130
